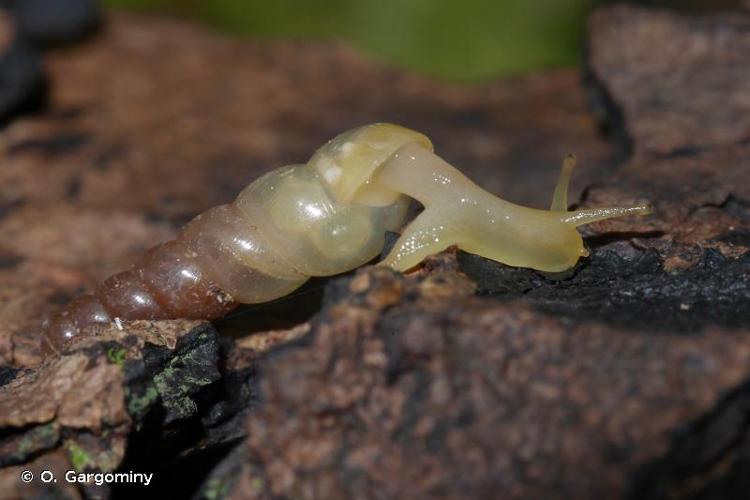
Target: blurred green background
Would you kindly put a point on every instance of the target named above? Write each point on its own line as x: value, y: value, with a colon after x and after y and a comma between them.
x: 470, y: 40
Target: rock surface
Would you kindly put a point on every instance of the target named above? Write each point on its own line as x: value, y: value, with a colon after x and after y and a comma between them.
x: 685, y: 117
x: 626, y: 377
x: 680, y: 82
x: 92, y: 398
x: 398, y: 391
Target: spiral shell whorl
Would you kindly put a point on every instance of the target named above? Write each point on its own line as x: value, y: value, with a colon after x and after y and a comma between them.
x: 347, y: 162
x: 310, y: 230
x: 234, y: 252
x: 168, y: 282
x: 318, y: 219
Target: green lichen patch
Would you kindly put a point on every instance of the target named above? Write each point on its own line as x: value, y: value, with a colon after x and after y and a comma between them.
x: 90, y: 452
x: 116, y: 356
x: 34, y: 440
x: 139, y: 404
x: 186, y: 373
x: 215, y: 489
x: 79, y: 457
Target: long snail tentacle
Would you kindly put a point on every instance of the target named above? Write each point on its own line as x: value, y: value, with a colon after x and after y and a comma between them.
x: 326, y: 217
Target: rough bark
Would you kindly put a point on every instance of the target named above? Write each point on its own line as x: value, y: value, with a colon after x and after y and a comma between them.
x: 626, y: 377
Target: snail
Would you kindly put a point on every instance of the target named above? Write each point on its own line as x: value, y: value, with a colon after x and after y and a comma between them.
x: 326, y: 217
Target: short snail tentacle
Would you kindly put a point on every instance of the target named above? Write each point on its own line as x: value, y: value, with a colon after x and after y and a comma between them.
x: 326, y: 217
x: 560, y: 196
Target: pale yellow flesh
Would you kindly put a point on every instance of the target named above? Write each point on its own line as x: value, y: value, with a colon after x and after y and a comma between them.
x: 331, y: 214
x: 458, y: 212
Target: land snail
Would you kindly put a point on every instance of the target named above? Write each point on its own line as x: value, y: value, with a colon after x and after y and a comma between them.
x: 328, y: 216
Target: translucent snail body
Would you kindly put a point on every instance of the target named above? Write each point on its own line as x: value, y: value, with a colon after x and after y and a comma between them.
x: 326, y: 217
